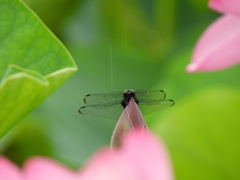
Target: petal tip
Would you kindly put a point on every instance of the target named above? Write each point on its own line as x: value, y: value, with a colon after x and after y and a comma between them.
x: 192, y: 68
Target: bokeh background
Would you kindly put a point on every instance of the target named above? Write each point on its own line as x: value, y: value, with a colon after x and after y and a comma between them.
x: 140, y: 45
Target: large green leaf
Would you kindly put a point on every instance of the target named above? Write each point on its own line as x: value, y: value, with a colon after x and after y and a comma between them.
x: 33, y: 63
x: 202, y: 133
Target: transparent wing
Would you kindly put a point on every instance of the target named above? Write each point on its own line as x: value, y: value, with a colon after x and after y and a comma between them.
x: 148, y: 107
x: 109, y: 105
x: 97, y: 99
x: 111, y: 110
x: 155, y: 95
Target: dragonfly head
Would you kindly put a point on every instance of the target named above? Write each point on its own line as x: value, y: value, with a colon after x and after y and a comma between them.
x: 127, y: 95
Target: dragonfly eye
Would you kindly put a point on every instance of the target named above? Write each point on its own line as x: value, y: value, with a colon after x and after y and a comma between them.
x: 129, y: 91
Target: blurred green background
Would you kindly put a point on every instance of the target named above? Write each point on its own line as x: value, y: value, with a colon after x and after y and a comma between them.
x: 140, y: 45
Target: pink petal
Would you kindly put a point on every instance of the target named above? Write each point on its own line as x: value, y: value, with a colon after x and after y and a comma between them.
x: 106, y: 165
x: 226, y: 6
x: 141, y: 157
x: 39, y: 168
x: 150, y: 156
x: 8, y: 170
x: 218, y: 47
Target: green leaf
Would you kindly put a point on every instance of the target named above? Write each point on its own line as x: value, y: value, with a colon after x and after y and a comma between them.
x: 202, y: 133
x: 56, y: 7
x: 33, y: 63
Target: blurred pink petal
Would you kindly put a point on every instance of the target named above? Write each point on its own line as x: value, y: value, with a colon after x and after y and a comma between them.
x: 109, y: 165
x: 8, y: 170
x: 226, y: 6
x: 39, y: 168
x: 218, y: 47
x: 141, y: 157
x: 149, y: 154
x: 131, y: 118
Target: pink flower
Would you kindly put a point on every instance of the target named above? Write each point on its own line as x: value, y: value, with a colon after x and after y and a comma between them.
x: 219, y: 46
x: 141, y: 157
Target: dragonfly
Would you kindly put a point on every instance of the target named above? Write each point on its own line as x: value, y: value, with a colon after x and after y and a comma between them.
x: 111, y: 105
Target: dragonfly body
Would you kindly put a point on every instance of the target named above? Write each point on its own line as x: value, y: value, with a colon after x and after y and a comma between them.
x: 127, y: 95
x: 111, y: 105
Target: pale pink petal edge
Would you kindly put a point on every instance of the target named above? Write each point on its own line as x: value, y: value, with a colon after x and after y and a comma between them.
x: 218, y: 47
x: 39, y: 168
x: 225, y: 6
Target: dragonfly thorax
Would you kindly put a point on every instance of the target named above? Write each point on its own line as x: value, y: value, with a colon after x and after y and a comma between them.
x: 127, y: 95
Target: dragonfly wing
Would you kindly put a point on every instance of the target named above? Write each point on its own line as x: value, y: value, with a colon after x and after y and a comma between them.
x: 148, y: 107
x: 155, y: 95
x: 111, y: 110
x: 94, y: 99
